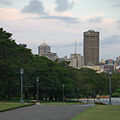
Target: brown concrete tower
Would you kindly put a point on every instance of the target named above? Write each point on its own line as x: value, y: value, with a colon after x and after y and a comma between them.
x: 91, y: 48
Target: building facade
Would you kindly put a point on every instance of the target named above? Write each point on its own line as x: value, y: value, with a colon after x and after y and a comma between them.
x: 117, y: 64
x: 109, y: 65
x: 91, y: 48
x: 118, y: 61
x: 45, y: 50
x: 76, y: 61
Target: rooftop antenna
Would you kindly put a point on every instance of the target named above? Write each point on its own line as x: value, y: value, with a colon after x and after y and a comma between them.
x: 76, y: 54
x: 75, y: 47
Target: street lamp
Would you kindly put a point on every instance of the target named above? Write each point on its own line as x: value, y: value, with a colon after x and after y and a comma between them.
x: 63, y: 91
x: 21, y: 73
x: 110, y: 73
x: 37, y: 89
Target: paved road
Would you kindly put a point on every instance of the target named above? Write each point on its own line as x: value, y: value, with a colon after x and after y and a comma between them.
x: 44, y: 112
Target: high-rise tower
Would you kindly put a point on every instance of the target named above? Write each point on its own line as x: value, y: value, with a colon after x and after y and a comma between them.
x: 44, y: 50
x: 91, y: 48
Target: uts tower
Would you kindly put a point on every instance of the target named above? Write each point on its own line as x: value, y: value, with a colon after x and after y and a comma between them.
x: 91, y: 48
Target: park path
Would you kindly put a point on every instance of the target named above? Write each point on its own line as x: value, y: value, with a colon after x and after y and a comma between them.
x: 44, y: 112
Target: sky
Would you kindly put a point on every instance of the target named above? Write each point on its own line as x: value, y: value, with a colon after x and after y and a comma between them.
x: 62, y: 22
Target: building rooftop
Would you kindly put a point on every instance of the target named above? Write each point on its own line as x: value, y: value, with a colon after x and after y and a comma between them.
x: 44, y: 44
x: 91, y: 30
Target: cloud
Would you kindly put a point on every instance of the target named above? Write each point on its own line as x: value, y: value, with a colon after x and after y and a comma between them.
x: 66, y: 19
x: 118, y: 22
x: 95, y: 20
x: 10, y: 14
x: 5, y: 2
x: 69, y: 45
x: 116, y: 5
x: 34, y: 7
x: 114, y: 39
x: 63, y: 5
x: 67, y: 48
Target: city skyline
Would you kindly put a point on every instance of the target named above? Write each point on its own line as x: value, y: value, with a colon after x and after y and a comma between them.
x: 61, y: 22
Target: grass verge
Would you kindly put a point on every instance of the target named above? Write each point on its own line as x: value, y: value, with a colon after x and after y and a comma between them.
x: 4, y: 106
x: 100, y: 112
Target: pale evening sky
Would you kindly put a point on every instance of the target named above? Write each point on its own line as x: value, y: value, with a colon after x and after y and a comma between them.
x: 62, y: 22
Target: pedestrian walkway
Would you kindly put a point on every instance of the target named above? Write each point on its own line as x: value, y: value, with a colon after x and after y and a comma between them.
x: 44, y: 112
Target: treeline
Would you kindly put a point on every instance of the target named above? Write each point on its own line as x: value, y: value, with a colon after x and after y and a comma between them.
x: 52, y: 75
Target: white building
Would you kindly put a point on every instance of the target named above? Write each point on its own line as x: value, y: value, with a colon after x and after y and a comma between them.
x: 76, y: 61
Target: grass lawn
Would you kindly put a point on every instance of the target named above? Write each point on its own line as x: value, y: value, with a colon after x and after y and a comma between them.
x: 9, y: 105
x: 100, y: 112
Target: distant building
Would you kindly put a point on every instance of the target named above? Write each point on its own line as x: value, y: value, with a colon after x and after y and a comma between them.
x: 96, y: 68
x: 102, y: 64
x: 44, y: 50
x: 118, y: 61
x: 109, y: 65
x: 110, y: 62
x: 117, y: 68
x: 117, y: 64
x: 91, y: 48
x: 76, y: 61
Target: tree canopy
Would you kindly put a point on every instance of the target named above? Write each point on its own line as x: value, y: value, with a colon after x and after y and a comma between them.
x: 52, y: 75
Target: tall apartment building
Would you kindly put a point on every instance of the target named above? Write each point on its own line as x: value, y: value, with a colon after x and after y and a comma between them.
x: 44, y: 50
x: 91, y: 48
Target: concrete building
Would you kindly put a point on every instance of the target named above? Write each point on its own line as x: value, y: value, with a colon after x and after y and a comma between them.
x: 102, y: 64
x: 117, y: 62
x: 96, y: 68
x: 117, y: 68
x: 45, y: 50
x: 76, y: 61
x: 109, y: 65
x: 91, y: 48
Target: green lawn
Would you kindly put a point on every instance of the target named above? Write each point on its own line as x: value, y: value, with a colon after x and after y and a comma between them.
x: 100, y: 112
x: 9, y: 105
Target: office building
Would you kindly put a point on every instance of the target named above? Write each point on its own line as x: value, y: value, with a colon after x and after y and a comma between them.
x: 45, y: 50
x: 76, y: 61
x: 91, y: 48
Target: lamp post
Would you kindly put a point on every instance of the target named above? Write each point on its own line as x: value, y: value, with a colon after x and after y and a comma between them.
x: 63, y: 91
x: 110, y: 73
x: 21, y: 73
x: 37, y: 89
